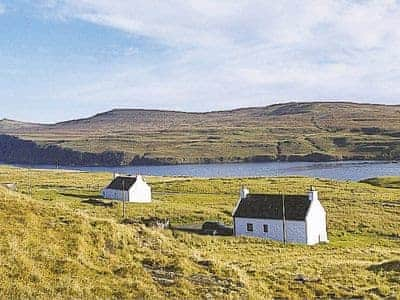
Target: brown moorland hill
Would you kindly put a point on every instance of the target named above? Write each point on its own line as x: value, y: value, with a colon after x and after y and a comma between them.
x: 292, y: 131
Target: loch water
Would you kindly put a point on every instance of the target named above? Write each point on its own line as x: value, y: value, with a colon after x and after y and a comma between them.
x: 343, y: 170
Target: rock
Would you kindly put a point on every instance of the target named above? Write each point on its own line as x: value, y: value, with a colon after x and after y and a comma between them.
x: 303, y: 279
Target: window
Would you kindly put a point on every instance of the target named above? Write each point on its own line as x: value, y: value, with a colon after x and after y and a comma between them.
x: 265, y: 227
x: 249, y: 227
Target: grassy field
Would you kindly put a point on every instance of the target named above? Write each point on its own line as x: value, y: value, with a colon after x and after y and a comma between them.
x: 388, y: 182
x: 56, y: 244
x: 291, y: 131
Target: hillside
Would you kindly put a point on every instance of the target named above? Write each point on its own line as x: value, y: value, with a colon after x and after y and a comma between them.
x: 286, y: 132
x: 57, y: 244
x: 11, y: 125
x: 387, y: 182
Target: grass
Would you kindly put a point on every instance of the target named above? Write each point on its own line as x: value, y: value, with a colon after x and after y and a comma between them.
x: 55, y: 245
x: 388, y: 182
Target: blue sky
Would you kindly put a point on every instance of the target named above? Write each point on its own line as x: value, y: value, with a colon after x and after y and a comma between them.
x: 71, y: 58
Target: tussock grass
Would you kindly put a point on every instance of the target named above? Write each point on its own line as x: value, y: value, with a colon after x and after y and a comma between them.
x: 53, y: 244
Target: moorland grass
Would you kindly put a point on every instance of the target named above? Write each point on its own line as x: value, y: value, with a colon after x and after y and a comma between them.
x: 54, y: 244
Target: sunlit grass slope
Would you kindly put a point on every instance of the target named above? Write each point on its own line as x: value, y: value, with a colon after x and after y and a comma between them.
x: 54, y: 244
x: 388, y: 182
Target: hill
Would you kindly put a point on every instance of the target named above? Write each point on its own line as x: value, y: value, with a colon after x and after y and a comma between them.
x: 11, y: 125
x: 56, y: 243
x: 287, y: 132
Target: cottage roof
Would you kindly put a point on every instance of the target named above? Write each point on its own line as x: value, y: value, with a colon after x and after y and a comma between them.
x: 122, y: 183
x: 263, y: 206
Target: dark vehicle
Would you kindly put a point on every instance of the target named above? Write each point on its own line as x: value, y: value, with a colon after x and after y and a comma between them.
x: 216, y: 228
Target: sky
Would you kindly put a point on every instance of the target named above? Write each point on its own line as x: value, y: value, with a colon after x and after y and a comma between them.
x: 73, y: 58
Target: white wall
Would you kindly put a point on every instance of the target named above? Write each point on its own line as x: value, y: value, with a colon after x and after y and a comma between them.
x: 316, y: 223
x: 140, y: 192
x: 295, y: 230
x: 115, y: 194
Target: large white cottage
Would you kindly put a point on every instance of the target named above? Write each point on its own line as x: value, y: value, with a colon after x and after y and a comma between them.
x: 286, y: 218
x: 128, y: 188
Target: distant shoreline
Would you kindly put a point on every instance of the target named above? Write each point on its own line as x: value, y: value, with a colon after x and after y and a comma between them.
x: 72, y: 167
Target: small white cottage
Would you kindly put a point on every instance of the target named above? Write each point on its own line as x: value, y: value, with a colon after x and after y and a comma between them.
x: 286, y: 218
x: 128, y: 188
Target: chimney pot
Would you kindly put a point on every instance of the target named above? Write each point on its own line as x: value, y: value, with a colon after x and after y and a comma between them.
x: 243, y: 192
x: 313, y: 194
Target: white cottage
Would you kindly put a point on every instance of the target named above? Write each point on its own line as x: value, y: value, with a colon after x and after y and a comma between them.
x: 128, y: 188
x: 286, y: 218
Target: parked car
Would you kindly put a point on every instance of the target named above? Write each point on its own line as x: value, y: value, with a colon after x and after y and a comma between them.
x: 216, y: 228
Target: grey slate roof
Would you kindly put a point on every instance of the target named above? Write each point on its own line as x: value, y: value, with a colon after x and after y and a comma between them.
x: 122, y: 183
x: 262, y: 206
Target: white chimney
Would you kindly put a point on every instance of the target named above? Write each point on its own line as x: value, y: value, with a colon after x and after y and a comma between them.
x: 313, y: 194
x: 243, y: 192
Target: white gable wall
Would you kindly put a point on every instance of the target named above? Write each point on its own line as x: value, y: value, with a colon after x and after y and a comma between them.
x: 316, y: 223
x: 140, y: 192
x: 295, y: 230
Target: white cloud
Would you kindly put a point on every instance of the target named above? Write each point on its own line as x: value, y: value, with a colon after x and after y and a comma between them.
x: 206, y: 22
x: 230, y: 53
